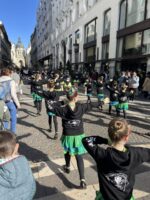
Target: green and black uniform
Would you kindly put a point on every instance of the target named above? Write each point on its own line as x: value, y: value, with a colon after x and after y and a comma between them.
x: 116, y: 169
x: 73, y: 132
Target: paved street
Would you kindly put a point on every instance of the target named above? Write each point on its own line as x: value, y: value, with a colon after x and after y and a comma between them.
x: 46, y: 156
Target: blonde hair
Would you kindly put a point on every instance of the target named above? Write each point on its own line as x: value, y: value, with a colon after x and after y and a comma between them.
x: 117, y: 129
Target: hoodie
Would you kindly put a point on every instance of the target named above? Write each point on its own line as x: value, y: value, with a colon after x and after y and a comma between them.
x: 16, y: 180
x: 116, y: 169
x: 13, y: 95
x: 71, y: 119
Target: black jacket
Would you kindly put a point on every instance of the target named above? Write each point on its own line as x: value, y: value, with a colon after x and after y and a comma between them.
x: 51, y: 97
x: 116, y: 169
x: 113, y: 93
x: 123, y: 97
x: 71, y: 120
x: 99, y: 87
x: 37, y: 86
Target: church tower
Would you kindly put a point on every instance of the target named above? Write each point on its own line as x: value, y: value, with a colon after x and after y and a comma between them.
x: 18, y: 54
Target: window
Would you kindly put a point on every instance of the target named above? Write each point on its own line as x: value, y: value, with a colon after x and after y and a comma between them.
x: 87, y: 4
x: 146, y: 42
x: 148, y: 9
x: 107, y: 21
x: 77, y: 37
x: 119, y: 48
x: 122, y: 15
x: 90, y: 54
x: 77, y: 10
x: 135, y: 11
x: 105, y: 50
x: 133, y: 44
x: 132, y: 12
x: 70, y: 17
x: 70, y: 42
x: 90, y: 31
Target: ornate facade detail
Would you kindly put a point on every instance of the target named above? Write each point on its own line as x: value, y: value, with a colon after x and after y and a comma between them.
x: 18, y: 54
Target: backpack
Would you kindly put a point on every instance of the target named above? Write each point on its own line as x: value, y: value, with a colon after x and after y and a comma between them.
x: 4, y: 95
x: 4, y: 90
x: 4, y: 114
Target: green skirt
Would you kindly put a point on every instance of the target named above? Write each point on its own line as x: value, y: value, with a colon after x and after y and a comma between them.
x: 123, y: 106
x: 73, y: 144
x: 51, y: 114
x: 100, y: 197
x: 100, y: 97
x: 36, y: 97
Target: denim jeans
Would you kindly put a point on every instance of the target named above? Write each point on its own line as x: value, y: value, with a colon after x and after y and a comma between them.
x: 5, y: 124
x: 13, y: 115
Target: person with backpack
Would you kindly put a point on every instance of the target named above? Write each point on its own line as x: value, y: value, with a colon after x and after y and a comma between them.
x: 9, y: 96
x: 4, y: 115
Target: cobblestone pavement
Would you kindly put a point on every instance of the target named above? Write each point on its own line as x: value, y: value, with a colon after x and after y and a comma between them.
x: 46, y: 156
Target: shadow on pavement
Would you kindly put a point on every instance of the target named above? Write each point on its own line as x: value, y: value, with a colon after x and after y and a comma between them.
x: 27, y: 104
x: 36, y: 155
x: 33, y: 114
x: 43, y: 191
x: 28, y: 124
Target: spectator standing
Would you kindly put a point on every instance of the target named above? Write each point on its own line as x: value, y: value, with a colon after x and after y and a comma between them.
x: 16, y: 179
x: 11, y: 99
x: 133, y: 83
x: 146, y: 85
x: 15, y: 76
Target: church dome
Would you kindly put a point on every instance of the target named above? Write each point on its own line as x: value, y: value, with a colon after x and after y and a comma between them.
x: 19, y: 44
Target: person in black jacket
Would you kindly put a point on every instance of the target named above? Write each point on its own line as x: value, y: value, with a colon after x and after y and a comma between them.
x: 73, y: 131
x: 36, y: 87
x: 113, y: 89
x: 123, y: 100
x: 88, y: 88
x: 52, y: 97
x: 100, y: 91
x: 116, y: 164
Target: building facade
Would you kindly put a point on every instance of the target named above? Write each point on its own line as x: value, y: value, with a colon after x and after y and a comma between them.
x: 28, y: 57
x: 101, y: 34
x: 43, y: 33
x: 5, y: 47
x: 18, y: 54
x: 33, y: 51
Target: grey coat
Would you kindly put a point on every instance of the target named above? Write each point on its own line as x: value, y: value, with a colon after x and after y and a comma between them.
x: 16, y: 180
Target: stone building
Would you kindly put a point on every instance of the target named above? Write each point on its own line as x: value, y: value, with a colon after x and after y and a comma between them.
x: 28, y: 57
x: 18, y: 54
x: 95, y: 34
x: 5, y: 47
x: 33, y: 52
x: 43, y: 33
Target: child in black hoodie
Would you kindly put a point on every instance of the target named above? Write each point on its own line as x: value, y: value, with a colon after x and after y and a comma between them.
x: 73, y: 131
x: 52, y: 97
x: 116, y: 165
x: 100, y: 91
x: 37, y: 87
x: 113, y: 89
x: 123, y: 100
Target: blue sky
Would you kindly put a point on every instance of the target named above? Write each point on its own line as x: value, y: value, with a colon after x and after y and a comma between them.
x: 19, y: 18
